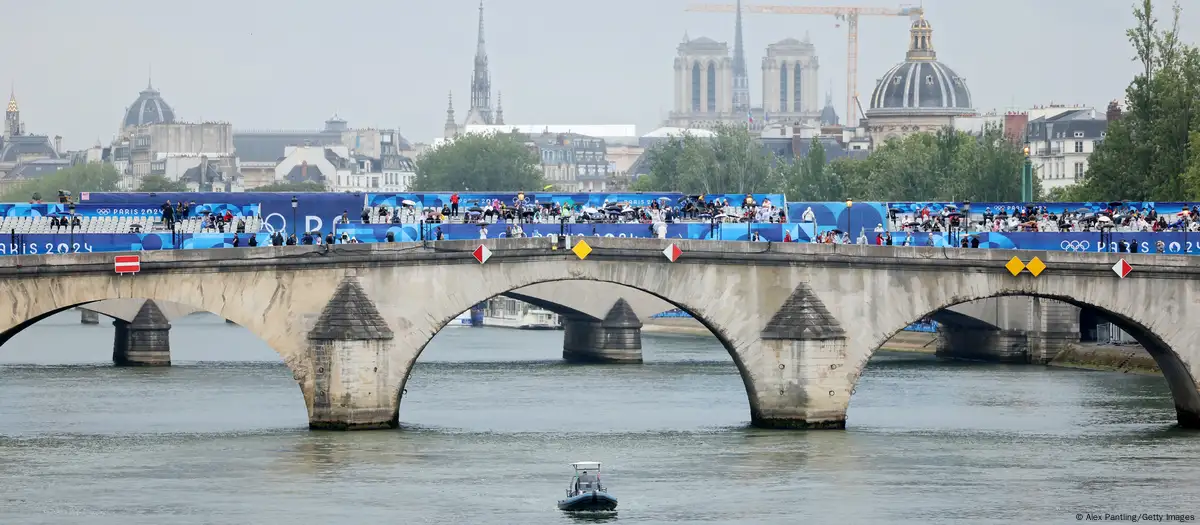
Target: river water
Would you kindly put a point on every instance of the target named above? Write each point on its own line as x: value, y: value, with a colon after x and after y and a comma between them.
x: 492, y: 418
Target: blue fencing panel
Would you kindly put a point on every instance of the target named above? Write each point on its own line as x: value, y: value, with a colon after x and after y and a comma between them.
x: 315, y: 211
x: 35, y: 244
x: 836, y: 216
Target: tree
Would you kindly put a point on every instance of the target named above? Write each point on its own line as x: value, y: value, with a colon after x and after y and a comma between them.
x: 810, y: 179
x: 948, y: 165
x: 75, y: 179
x: 292, y: 187
x: 1148, y: 152
x: 159, y: 183
x: 480, y: 162
x: 731, y: 161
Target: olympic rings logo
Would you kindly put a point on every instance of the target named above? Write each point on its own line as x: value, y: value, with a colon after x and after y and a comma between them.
x: 1075, y: 246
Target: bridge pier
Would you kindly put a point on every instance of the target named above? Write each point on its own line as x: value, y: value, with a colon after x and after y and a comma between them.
x: 992, y: 345
x: 616, y: 339
x: 353, y: 387
x: 144, y: 341
x: 88, y: 317
x: 801, y: 380
x: 1053, y: 326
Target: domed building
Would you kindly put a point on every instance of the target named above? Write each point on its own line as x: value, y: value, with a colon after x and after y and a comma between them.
x: 918, y: 95
x: 149, y: 108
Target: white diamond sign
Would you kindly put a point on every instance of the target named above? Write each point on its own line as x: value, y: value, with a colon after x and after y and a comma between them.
x: 1122, y: 268
x: 672, y: 252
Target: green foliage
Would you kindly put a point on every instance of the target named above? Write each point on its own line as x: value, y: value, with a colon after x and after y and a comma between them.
x: 732, y: 161
x: 948, y: 165
x: 1150, y: 153
x: 292, y: 187
x: 475, y: 162
x: 159, y: 183
x: 75, y: 179
x: 810, y: 179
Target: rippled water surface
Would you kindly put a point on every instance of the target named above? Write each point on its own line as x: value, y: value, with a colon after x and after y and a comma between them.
x: 492, y: 417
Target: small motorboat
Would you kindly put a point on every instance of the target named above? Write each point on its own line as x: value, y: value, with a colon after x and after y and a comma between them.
x: 586, y: 493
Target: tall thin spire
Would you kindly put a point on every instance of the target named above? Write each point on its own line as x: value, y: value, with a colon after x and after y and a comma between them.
x: 481, y: 80
x: 149, y: 78
x: 499, y: 108
x: 450, y: 128
x: 741, y: 78
x: 479, y: 45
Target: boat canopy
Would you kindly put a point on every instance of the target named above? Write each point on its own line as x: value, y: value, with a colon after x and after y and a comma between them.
x: 586, y: 465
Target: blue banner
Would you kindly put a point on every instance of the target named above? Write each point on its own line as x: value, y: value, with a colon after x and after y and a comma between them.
x: 837, y: 216
x: 416, y: 232
x: 1173, y: 243
x: 314, y: 211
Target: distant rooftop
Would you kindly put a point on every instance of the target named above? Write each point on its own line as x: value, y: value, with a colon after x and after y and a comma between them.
x: 590, y: 130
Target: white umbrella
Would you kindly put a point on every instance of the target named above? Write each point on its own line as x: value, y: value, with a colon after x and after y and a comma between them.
x: 589, y: 210
x: 407, y: 202
x: 1104, y: 218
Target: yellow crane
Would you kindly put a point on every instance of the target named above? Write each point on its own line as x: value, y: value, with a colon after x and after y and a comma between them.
x: 848, y: 14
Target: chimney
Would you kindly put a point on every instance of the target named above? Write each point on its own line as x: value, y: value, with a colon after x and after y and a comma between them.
x: 797, y: 142
x: 58, y: 144
x: 1114, y: 111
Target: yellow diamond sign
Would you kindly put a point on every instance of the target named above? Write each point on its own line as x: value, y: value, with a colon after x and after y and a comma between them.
x: 1015, y: 266
x: 581, y: 249
x: 1035, y: 266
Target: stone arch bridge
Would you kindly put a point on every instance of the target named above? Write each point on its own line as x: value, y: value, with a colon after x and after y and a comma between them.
x: 799, y: 320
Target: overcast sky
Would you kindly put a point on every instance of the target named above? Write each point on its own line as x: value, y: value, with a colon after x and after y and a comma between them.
x: 77, y: 64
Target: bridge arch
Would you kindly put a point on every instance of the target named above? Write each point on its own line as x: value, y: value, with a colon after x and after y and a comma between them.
x: 1176, y: 370
x: 31, y: 301
x: 446, y: 314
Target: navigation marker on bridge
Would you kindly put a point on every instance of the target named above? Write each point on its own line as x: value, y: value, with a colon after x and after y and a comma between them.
x: 672, y: 252
x: 1036, y: 266
x: 1122, y: 268
x: 1015, y: 266
x: 127, y: 264
x: 481, y: 254
x: 581, y: 249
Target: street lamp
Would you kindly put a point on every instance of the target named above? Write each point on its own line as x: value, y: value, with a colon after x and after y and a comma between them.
x: 1027, y: 178
x: 295, y: 204
x: 849, y: 218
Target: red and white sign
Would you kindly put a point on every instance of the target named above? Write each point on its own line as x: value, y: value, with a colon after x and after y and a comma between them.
x: 672, y: 252
x: 127, y: 263
x: 1122, y: 268
x: 481, y: 254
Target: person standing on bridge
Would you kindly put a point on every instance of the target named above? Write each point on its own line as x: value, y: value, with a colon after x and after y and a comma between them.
x: 168, y: 215
x: 454, y: 204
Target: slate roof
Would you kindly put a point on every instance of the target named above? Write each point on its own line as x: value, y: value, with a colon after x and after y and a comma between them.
x: 270, y: 146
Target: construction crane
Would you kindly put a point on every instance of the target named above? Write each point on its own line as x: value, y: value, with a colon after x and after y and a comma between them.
x: 848, y: 14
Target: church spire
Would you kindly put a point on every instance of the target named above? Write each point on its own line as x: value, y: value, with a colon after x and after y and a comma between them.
x: 741, y: 78
x: 481, y: 81
x: 12, y: 116
x: 499, y: 109
x: 451, y: 128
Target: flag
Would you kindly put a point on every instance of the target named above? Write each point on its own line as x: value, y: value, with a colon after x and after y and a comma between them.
x: 766, y: 117
x: 750, y: 117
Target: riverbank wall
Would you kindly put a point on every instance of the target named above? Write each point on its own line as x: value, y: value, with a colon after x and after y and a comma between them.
x: 1130, y: 359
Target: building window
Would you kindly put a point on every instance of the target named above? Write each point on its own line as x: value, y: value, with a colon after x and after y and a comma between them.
x: 697, y: 87
x: 928, y: 80
x: 783, y: 88
x: 896, y: 80
x: 1078, y: 134
x: 1079, y: 146
x: 1078, y: 170
x: 712, y: 87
